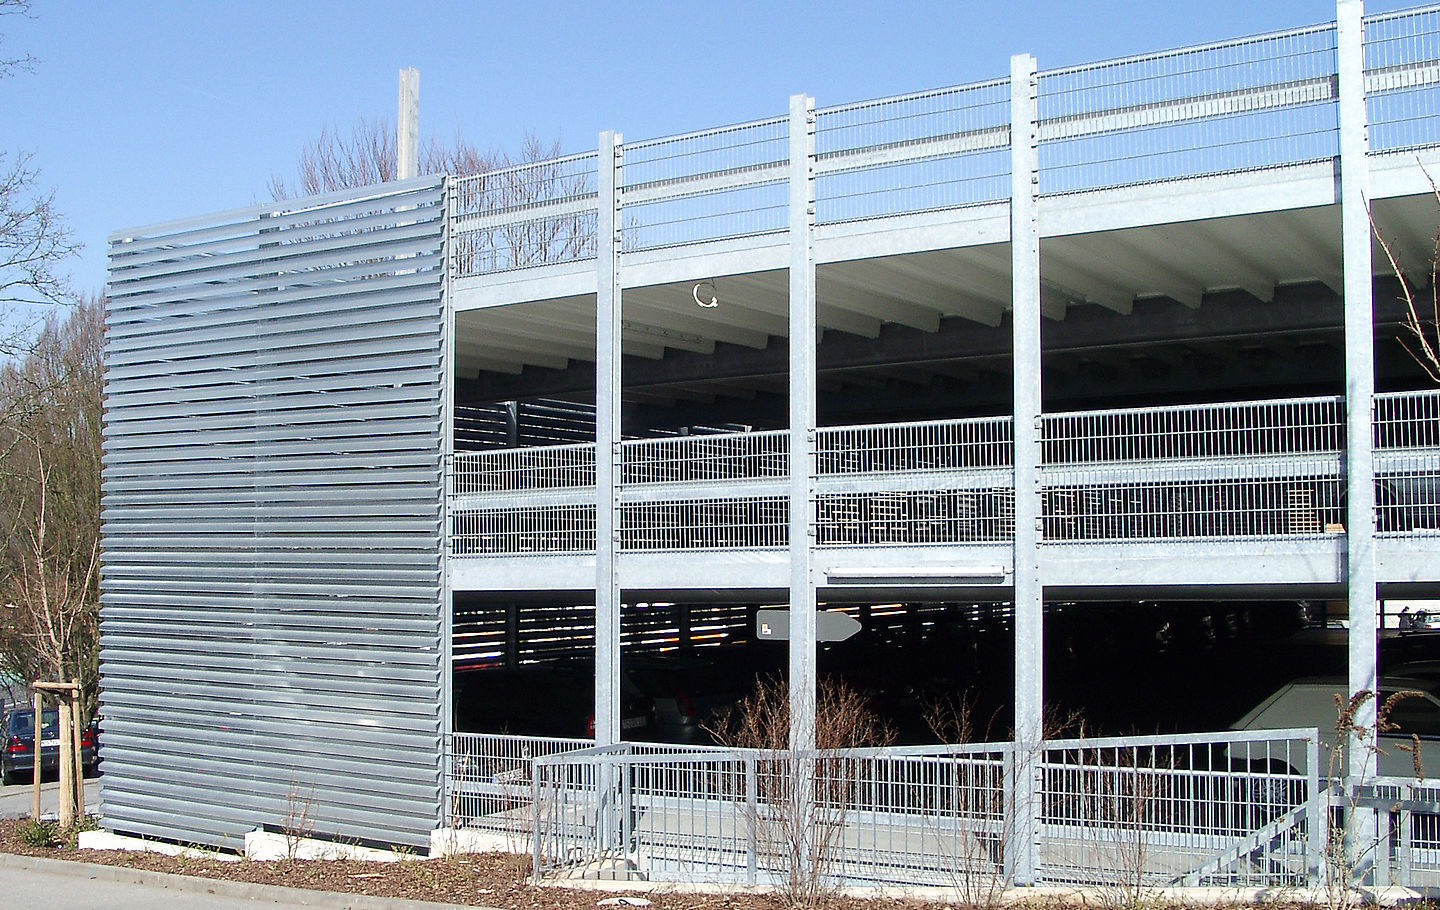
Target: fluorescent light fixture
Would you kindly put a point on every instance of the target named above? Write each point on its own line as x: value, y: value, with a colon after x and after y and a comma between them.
x: 901, y: 575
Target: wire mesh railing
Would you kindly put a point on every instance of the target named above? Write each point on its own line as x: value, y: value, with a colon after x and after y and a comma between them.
x: 1252, y: 103
x: 533, y: 468
x: 710, y: 185
x: 939, y: 149
x: 1402, y: 79
x: 1223, y: 471
x: 1247, y: 104
x: 1212, y: 809
x: 1243, y: 469
x: 1407, y: 852
x: 1407, y: 463
x: 709, y: 457
x: 943, y: 481
x: 741, y: 522
x: 1260, y: 498
x: 942, y: 445
x: 532, y: 214
x: 1407, y: 420
x: 890, y: 517
x: 489, y: 778
x: 1230, y: 808
x: 515, y: 530
x: 1209, y: 431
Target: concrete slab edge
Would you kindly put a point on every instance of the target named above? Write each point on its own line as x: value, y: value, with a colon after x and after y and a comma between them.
x: 192, y: 884
x: 1048, y: 895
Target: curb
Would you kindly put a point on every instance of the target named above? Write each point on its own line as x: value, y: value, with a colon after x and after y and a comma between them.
x: 191, y: 884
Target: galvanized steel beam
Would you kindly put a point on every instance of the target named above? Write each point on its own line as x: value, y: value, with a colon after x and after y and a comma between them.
x: 802, y: 423
x: 1025, y: 364
x: 1360, y: 406
x: 607, y: 445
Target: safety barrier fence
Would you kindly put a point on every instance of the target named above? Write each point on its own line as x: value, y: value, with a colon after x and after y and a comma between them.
x: 709, y: 457
x: 1407, y: 463
x: 531, y: 214
x: 1407, y: 850
x: 1402, y: 79
x: 489, y: 777
x: 1224, y: 471
x: 1247, y: 104
x: 1237, y: 808
x: 1231, y: 808
x: 1243, y: 469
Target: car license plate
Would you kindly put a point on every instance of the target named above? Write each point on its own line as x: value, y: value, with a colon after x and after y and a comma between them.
x: 47, y: 743
x: 630, y: 723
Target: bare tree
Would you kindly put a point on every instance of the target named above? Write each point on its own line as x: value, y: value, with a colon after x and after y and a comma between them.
x: 366, y: 155
x: 50, y: 452
x: 503, y: 182
x: 34, y: 239
x: 1421, y: 338
x: 11, y: 65
x: 800, y: 804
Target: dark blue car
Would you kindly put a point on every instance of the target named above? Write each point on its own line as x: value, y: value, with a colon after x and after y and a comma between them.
x: 18, y: 755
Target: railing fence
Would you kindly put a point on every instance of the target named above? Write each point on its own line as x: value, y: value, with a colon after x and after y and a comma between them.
x: 1223, y: 471
x: 1251, y: 103
x: 1238, y: 808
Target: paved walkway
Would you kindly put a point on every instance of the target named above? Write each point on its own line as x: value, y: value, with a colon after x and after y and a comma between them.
x: 50, y: 884
x: 45, y: 890
x: 15, y: 799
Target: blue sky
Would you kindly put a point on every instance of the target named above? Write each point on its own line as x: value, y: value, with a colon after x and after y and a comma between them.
x: 146, y: 111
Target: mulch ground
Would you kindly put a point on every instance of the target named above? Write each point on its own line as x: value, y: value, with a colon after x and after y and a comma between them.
x: 482, y: 879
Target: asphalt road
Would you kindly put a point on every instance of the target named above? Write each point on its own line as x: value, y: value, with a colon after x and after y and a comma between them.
x: 15, y: 799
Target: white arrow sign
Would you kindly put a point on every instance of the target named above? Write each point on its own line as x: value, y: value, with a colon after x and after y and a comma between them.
x: 774, y: 625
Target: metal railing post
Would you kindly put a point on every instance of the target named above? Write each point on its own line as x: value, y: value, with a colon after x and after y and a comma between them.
x: 535, y: 817
x: 1405, y: 847
x: 752, y: 820
x: 1317, y: 813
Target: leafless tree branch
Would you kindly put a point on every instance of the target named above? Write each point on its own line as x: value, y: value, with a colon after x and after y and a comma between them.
x: 1422, y: 329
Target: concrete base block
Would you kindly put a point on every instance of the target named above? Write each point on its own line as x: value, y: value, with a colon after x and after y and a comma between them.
x: 450, y: 841
x: 605, y: 870
x: 268, y: 845
x: 108, y: 840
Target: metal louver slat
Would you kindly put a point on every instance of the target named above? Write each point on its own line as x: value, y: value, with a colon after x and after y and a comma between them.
x: 272, y: 585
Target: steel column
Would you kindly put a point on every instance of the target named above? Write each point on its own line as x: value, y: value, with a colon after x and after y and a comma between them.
x: 1025, y: 346
x: 607, y: 444
x: 1359, y: 403
x: 802, y: 422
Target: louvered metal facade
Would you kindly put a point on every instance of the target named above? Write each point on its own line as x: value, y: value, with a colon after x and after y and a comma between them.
x: 273, y: 636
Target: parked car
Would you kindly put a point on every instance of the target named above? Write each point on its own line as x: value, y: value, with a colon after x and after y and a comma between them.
x: 18, y: 756
x: 1420, y: 620
x: 688, y: 693
x: 543, y: 700
x: 1311, y: 702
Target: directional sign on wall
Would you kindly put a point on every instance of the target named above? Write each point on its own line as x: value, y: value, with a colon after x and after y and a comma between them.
x: 774, y: 625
